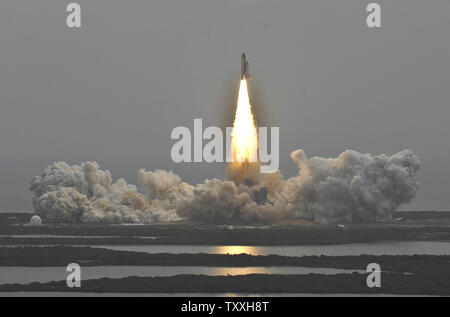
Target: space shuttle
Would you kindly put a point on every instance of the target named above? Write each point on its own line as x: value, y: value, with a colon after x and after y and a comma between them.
x: 244, y: 67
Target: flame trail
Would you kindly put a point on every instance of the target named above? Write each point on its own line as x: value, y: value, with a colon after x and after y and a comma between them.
x: 244, y: 139
x: 245, y: 136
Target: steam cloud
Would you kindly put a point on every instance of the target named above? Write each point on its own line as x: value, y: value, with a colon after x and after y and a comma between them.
x: 352, y: 187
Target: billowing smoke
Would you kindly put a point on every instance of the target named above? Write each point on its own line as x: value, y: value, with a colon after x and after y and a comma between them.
x: 87, y: 194
x: 353, y: 187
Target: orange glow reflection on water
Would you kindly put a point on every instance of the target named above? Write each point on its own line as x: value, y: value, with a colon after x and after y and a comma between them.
x: 237, y: 249
x: 238, y: 270
x: 234, y: 249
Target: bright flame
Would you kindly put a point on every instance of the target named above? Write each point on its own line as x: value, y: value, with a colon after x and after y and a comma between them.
x: 245, y: 137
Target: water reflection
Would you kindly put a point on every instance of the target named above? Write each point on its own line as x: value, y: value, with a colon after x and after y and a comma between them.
x: 23, y: 275
x: 381, y: 248
x: 234, y: 249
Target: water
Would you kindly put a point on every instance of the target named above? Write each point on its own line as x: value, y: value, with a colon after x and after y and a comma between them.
x: 382, y: 248
x: 59, y: 236
x: 47, y: 274
x: 26, y: 275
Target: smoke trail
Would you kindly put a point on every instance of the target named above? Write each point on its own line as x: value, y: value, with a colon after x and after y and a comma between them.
x: 352, y: 187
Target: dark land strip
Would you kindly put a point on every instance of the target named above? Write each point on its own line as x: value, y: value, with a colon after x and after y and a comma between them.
x: 87, y: 256
x: 391, y: 283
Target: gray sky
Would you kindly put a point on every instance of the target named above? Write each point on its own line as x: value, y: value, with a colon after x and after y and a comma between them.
x: 113, y: 90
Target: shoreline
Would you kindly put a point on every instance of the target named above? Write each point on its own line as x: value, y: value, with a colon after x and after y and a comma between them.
x: 283, y: 236
x: 253, y: 283
x: 412, y: 226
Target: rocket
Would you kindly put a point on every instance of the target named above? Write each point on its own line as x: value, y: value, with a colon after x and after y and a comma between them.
x: 244, y: 67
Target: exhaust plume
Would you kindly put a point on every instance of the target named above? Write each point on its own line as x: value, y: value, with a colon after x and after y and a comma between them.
x: 244, y: 165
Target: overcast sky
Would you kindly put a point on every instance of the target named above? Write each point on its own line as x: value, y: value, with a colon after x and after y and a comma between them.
x: 113, y: 90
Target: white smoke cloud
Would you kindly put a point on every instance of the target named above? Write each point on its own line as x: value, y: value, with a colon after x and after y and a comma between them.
x: 353, y: 187
x: 215, y: 200
x: 85, y: 193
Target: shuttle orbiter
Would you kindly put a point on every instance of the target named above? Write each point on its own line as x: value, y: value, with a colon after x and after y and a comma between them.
x: 244, y: 67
